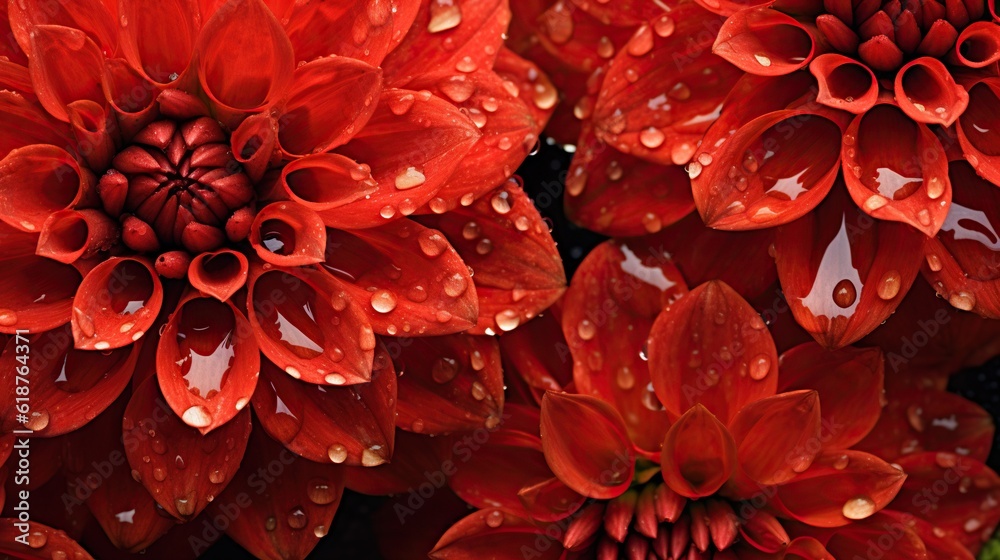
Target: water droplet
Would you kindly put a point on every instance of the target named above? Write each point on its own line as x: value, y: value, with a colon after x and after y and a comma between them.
x: 216, y: 477
x: 409, y: 178
x: 641, y: 43
x: 935, y: 187
x: 500, y: 203
x: 197, y: 417
x: 444, y: 370
x: 321, y: 493
x: 844, y: 293
x: 445, y: 15
x: 664, y: 26
x: 297, y: 518
x: 320, y: 531
x: 478, y: 391
x: 962, y: 300
x: 507, y: 319
x: 859, y: 508
x: 889, y: 285
x: 159, y: 474
x: 455, y: 285
x: 625, y: 378
x: 759, y: 367
x: 840, y: 463
x: 383, y: 301
x: 370, y: 458
x: 494, y: 518
x: 37, y: 421
x: 337, y: 453
x: 37, y: 539
x: 271, y: 524
x: 8, y: 318
x: 586, y: 329
x: 651, y: 138
x: 934, y: 262
x: 399, y: 106
x: 762, y: 60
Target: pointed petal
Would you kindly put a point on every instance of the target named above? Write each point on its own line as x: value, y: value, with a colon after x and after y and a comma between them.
x: 50, y: 542
x: 329, y: 100
x: 764, y: 532
x: 844, y: 83
x: 848, y: 416
x: 856, y: 538
x: 776, y: 437
x: 66, y: 66
x: 254, y: 145
x: 69, y: 387
x: 976, y: 133
x: 711, y: 348
x: 220, y: 274
x: 838, y: 488
x: 295, y: 496
x: 353, y: 425
x: 495, y: 534
x: 406, y: 278
x: 881, y: 53
x: 516, y: 267
x: 765, y: 42
x: 116, y: 303
x: 36, y: 181
x: 308, y: 326
x: 452, y: 383
x: 927, y: 92
x: 844, y: 273
x: 207, y: 362
x: 288, y: 234
x: 411, y: 155
x: 158, y: 38
x: 609, y: 309
x: 414, y: 456
x: 359, y: 30
x: 38, y: 291
x: 699, y: 454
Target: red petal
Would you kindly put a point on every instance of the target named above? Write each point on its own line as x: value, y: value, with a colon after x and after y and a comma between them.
x: 844, y: 83
x: 632, y: 12
x: 36, y: 181
x: 326, y: 182
x: 764, y: 532
x: 775, y: 437
x: 843, y: 273
x: 711, y: 348
x: 960, y: 258
x: 254, y: 145
x: 25, y: 123
x: 363, y: 31
x: 66, y: 66
x: 405, y: 277
x: 90, y: 16
x: 219, y: 274
x: 296, y: 497
x: 635, y: 115
x: 92, y: 126
x: 494, y: 534
x: 580, y: 40
x: 881, y: 53
x: 207, y: 362
x: 68, y: 235
x: 472, y: 30
x: 848, y: 416
x: 245, y: 60
x: 978, y: 132
x: 330, y: 99
x: 528, y: 356
x: 838, y: 488
x: 288, y: 234
x: 978, y: 45
x: 69, y: 387
x: 609, y: 309
x: 415, y: 457
x: 38, y: 292
x: 411, y: 155
x: 927, y: 92
x: 837, y: 33
x: 39, y: 541
x: 180, y: 467
x: 618, y: 194
x: 517, y: 269
x: 309, y: 327
x: 452, y: 383
x: 116, y: 303
x: 857, y: 538
x: 350, y: 425
x: 586, y: 445
x: 158, y: 38
x: 532, y: 84
x: 699, y: 454
x: 938, y: 547
x: 765, y: 42
x: 130, y: 95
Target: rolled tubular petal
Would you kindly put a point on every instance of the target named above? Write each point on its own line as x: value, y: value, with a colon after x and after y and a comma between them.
x: 116, y: 303
x: 26, y: 123
x: 180, y: 467
x: 288, y: 234
x: 158, y: 38
x: 220, y: 274
x: 207, y: 362
x: 93, y: 128
x: 765, y: 42
x: 699, y: 454
x: 978, y: 45
x: 68, y: 235
x: 711, y: 348
x: 36, y: 181
x: 308, y: 326
x: 902, y: 180
x: 66, y: 66
x: 325, y: 182
x: 836, y: 287
x: 352, y: 425
x: 927, y: 92
x: 255, y: 144
x: 89, y: 16
x: 979, y: 129
x: 39, y: 291
x: 586, y: 445
x: 130, y: 96
x: 844, y: 83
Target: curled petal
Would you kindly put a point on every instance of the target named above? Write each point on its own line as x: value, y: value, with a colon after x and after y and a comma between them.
x: 711, y: 348
x: 245, y: 61
x: 777, y: 437
x: 92, y: 127
x: 353, y: 425
x: 26, y: 123
x: 300, y: 501
x: 764, y: 532
x: 979, y: 129
x: 494, y: 533
x: 326, y: 182
x: 978, y: 45
x: 609, y: 308
x: 255, y: 144
x: 452, y: 383
x: 89, y: 16
x: 903, y: 181
x: 68, y: 386
x: 38, y: 291
x: 158, y: 38
x: 308, y: 326
x: 699, y: 454
x: 516, y: 267
x: 406, y: 278
x: 130, y: 96
x: 219, y: 274
x: 288, y: 234
x: 363, y: 31
x: 36, y: 181
x: 207, y: 362
x: 54, y: 543
x: 848, y: 416
x: 856, y: 538
x: 839, y: 487
x: 329, y: 101
x: 411, y: 154
x: 116, y: 303
x: 68, y: 235
x: 844, y: 83
x: 765, y: 42
x: 180, y: 467
x: 837, y: 288
x: 927, y: 92
x: 66, y: 66
x: 586, y: 444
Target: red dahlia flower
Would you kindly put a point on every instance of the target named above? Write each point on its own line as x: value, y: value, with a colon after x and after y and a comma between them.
x: 246, y: 200
x: 851, y: 129
x: 683, y: 434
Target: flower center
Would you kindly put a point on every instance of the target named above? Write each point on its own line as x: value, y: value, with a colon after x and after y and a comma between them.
x: 177, y: 186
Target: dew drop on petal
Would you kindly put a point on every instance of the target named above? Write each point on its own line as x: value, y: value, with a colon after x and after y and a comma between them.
x: 383, y: 301
x: 889, y: 285
x: 337, y: 453
x: 859, y: 508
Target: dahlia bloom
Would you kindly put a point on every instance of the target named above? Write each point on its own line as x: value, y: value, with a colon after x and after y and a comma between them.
x: 859, y: 135
x: 254, y: 203
x: 683, y: 433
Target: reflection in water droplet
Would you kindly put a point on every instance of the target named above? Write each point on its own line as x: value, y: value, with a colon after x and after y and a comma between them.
x: 835, y: 290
